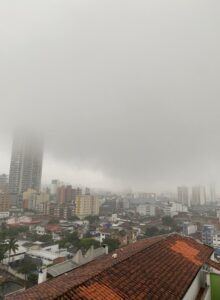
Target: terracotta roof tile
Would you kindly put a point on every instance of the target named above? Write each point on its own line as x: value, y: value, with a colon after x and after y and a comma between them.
x: 213, y: 264
x: 157, y: 268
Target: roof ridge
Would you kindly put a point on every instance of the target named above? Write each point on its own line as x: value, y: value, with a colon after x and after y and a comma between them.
x: 99, y: 272
x: 213, y: 264
x: 115, y: 261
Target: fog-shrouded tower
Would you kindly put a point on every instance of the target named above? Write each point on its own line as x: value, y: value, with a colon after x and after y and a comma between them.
x: 183, y: 195
x: 26, y: 163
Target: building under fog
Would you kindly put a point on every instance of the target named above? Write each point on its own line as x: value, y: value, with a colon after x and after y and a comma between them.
x: 3, y: 182
x: 198, y: 195
x: 212, y: 197
x: 26, y: 163
x: 183, y: 195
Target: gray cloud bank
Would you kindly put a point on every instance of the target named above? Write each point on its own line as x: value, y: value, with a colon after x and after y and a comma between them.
x: 124, y: 91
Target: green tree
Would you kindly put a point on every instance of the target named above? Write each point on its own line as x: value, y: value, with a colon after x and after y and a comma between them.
x: 73, y: 239
x: 46, y: 238
x: 12, y: 246
x: 70, y: 239
x: 113, y: 244
x: 73, y: 218
x: 87, y: 234
x: 33, y: 278
x: 92, y: 219
x: 3, y: 226
x: 13, y: 232
x: 3, y: 232
x: 86, y: 243
x: 33, y: 236
x: 3, y: 250
x: 152, y: 231
x: 53, y: 221
x: 168, y: 221
x: 27, y: 267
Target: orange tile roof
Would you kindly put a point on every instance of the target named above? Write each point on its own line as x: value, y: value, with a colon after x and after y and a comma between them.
x: 213, y: 264
x: 187, y: 251
x: 160, y: 268
x: 97, y: 291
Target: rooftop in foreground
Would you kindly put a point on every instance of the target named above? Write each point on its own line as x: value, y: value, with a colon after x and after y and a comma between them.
x: 161, y: 267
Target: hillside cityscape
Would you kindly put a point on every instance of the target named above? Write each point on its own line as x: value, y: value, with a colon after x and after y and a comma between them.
x: 109, y: 150
x: 48, y: 230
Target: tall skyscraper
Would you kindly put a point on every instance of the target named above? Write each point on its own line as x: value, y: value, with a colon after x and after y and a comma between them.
x: 198, y: 195
x: 26, y: 163
x: 183, y: 195
x: 212, y: 196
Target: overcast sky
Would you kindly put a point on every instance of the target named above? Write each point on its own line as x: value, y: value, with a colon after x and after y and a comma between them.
x: 126, y: 92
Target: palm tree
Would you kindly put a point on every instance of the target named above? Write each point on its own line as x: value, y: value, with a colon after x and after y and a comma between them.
x: 12, y: 246
x: 3, y: 250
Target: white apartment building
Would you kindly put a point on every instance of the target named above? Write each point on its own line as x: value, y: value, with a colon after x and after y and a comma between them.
x: 189, y: 228
x: 216, y: 240
x: 40, y: 230
x: 173, y: 208
x: 48, y: 254
x: 4, y: 214
x: 146, y: 210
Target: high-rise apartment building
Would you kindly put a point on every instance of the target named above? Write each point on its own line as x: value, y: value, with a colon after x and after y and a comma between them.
x: 86, y: 205
x: 61, y: 194
x: 198, y: 196
x: 208, y: 231
x: 4, y: 202
x: 55, y: 184
x: 183, y: 195
x: 146, y: 210
x: 3, y: 182
x: 65, y: 194
x: 29, y: 199
x: 212, y: 196
x: 26, y: 163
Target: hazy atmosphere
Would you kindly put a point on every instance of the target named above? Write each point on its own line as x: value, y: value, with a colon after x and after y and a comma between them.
x: 125, y: 93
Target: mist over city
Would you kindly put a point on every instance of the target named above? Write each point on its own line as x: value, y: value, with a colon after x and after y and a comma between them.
x: 109, y: 149
x: 125, y: 95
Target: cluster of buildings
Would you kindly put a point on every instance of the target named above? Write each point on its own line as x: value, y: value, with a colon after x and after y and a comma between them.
x: 64, y: 204
x: 196, y: 196
x: 123, y: 218
x: 60, y: 206
x: 22, y: 190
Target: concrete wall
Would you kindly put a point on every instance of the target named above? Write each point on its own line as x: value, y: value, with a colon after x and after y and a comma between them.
x: 13, y: 257
x: 195, y: 287
x: 91, y: 254
x: 12, y: 271
x: 207, y: 294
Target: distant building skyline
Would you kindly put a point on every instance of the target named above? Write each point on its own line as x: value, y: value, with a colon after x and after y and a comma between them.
x: 212, y: 193
x: 183, y: 195
x: 198, y: 195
